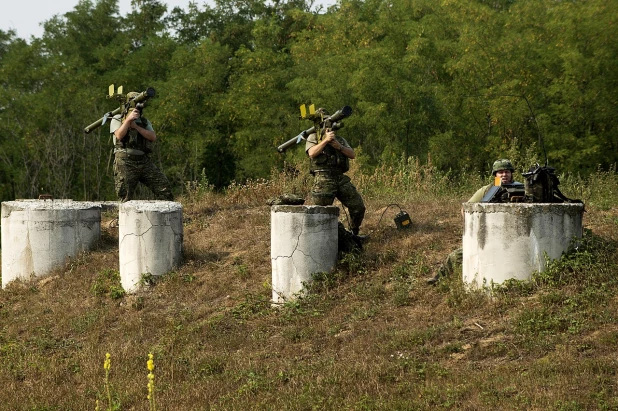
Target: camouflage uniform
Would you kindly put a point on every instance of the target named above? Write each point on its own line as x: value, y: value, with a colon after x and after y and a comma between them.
x: 452, y: 263
x: 330, y: 182
x: 454, y: 260
x: 132, y: 164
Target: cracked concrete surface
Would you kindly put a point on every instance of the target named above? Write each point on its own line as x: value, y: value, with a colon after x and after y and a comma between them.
x: 511, y: 241
x: 40, y: 235
x: 303, y: 242
x: 150, y: 235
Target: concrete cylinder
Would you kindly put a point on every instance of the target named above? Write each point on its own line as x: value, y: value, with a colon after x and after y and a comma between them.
x: 150, y: 238
x: 40, y: 235
x: 512, y: 241
x: 303, y: 241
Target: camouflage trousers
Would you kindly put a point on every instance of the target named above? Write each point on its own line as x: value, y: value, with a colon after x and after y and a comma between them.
x: 131, y: 170
x: 452, y: 263
x: 330, y: 185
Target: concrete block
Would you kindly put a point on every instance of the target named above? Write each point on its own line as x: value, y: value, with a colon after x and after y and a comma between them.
x: 303, y: 242
x: 511, y: 241
x: 150, y: 236
x: 40, y: 235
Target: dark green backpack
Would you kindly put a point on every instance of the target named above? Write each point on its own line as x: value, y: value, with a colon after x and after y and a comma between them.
x: 541, y: 186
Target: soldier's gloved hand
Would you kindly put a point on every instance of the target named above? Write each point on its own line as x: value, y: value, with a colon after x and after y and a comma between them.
x: 132, y: 116
x: 333, y: 141
x: 329, y: 136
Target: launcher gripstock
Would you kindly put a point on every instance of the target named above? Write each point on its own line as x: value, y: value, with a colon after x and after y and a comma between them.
x: 124, y: 105
x: 505, y: 193
x: 541, y: 186
x: 321, y: 123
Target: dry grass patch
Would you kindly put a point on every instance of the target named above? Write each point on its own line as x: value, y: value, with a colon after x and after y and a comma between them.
x: 371, y: 335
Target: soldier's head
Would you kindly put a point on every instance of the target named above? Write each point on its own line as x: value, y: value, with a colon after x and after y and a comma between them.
x: 322, y: 112
x: 503, y: 169
x: 130, y: 96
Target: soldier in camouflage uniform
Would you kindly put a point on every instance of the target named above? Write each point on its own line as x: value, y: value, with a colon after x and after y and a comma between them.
x: 133, y: 138
x: 330, y: 160
x: 503, y: 169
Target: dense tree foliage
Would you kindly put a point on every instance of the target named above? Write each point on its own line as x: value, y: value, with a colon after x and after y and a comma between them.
x: 458, y: 82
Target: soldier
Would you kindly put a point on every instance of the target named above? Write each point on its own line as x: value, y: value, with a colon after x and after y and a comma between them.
x: 133, y: 138
x: 330, y: 160
x: 503, y: 169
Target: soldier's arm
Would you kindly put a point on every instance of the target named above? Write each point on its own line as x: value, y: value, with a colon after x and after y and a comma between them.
x: 317, y: 149
x: 121, y: 131
x: 148, y: 134
x: 480, y: 193
x: 477, y: 196
x: 329, y: 138
x: 345, y: 149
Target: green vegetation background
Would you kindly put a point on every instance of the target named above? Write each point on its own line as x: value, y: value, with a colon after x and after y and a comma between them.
x: 451, y: 83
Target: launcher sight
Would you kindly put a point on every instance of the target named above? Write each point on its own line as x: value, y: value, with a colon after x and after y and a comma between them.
x: 321, y: 120
x: 136, y: 102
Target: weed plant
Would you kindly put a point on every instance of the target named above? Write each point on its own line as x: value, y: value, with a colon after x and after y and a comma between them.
x: 599, y: 189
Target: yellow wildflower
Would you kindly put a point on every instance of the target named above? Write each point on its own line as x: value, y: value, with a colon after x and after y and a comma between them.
x: 151, y: 383
x: 108, y: 362
x: 150, y: 362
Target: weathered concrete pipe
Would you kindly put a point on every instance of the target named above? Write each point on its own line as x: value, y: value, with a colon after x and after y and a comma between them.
x: 511, y: 241
x: 40, y: 235
x: 150, y: 236
x: 303, y: 241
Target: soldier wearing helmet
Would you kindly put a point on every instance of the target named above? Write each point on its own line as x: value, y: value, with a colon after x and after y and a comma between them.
x: 503, y: 169
x: 133, y: 137
x: 330, y: 160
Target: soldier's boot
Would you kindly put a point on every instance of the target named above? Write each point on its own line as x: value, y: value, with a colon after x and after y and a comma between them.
x: 361, y: 238
x: 347, y: 241
x: 433, y: 280
x: 357, y: 241
x: 436, y: 278
x: 453, y: 261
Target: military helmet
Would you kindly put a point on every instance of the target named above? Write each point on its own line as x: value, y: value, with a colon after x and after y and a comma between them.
x: 131, y: 95
x: 133, y: 104
x: 502, y: 164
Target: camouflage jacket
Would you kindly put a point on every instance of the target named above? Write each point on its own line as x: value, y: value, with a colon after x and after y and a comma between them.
x: 329, y: 159
x: 133, y: 141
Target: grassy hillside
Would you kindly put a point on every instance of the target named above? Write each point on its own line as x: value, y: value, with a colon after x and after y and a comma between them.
x: 370, y: 336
